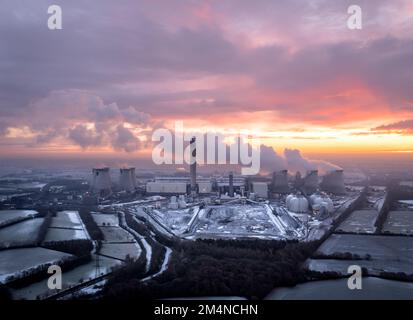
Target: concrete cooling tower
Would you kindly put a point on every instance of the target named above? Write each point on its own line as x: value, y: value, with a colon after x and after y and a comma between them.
x: 311, y: 181
x: 127, y: 179
x: 280, y: 182
x: 333, y: 182
x: 101, y: 184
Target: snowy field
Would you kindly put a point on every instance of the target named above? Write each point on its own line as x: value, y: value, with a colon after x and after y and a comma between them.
x: 67, y: 219
x: 399, y: 222
x: 121, y: 250
x: 7, y: 215
x: 176, y: 220
x: 373, y: 289
x: 102, y: 219
x: 22, y: 233
x: 360, y: 221
x: 374, y: 267
x: 378, y: 247
x: 75, y: 276
x: 116, y: 234
x: 59, y: 234
x: 16, y: 260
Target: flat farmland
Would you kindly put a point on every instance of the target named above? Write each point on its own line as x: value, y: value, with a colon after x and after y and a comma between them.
x: 399, y: 222
x: 360, y: 221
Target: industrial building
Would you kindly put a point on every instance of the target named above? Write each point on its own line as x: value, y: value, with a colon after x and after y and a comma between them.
x: 168, y: 185
x: 230, y: 184
x: 101, y: 183
x: 260, y: 189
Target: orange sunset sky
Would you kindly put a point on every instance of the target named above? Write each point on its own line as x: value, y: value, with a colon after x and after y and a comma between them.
x: 291, y: 72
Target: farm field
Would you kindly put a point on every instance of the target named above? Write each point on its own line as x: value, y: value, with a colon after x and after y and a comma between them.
x: 102, y: 219
x: 121, y: 250
x: 20, y: 234
x: 6, y: 215
x: 67, y: 219
x: 16, y: 260
x: 360, y: 221
x: 58, y: 234
x: 116, y: 234
x: 399, y: 222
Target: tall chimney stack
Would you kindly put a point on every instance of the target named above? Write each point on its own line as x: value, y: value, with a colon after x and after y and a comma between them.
x: 231, y: 184
x: 192, y: 166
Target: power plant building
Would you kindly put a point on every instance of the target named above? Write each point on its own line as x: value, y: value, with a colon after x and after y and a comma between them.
x: 260, y: 189
x: 167, y: 186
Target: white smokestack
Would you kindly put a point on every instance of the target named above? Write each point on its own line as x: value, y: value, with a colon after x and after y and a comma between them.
x: 192, y: 166
x: 101, y: 183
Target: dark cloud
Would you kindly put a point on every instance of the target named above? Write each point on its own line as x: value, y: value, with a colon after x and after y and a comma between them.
x: 123, y: 139
x: 85, y: 137
x: 402, y: 127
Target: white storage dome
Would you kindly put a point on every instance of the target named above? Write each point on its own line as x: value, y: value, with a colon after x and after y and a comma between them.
x: 298, y: 204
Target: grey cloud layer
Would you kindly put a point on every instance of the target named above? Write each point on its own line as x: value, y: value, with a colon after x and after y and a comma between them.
x: 106, y: 45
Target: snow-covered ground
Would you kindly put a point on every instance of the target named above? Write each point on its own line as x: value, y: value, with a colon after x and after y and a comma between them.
x: 164, y: 266
x: 16, y: 261
x: 70, y: 278
x: 59, y: 234
x: 67, y: 219
x: 399, y: 222
x: 116, y: 234
x: 19, y: 234
x: 121, y: 250
x: 102, y: 219
x: 9, y: 215
x: 360, y: 221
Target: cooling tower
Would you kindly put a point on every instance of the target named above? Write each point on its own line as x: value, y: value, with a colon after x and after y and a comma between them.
x: 311, y: 181
x: 101, y: 181
x: 192, y: 166
x: 231, y: 184
x: 127, y: 180
x: 280, y: 182
x: 333, y: 182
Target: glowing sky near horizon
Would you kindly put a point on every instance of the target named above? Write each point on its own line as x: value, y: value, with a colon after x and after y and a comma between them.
x: 291, y: 72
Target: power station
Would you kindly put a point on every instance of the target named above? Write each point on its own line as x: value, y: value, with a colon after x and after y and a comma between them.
x: 127, y: 179
x: 101, y: 183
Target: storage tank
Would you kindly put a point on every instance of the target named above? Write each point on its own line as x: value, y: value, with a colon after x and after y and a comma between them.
x: 298, y: 204
x: 320, y: 199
